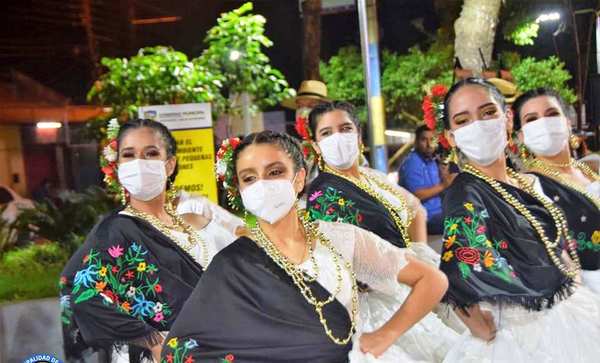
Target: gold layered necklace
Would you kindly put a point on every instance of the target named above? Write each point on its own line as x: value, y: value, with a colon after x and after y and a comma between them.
x: 193, y: 237
x: 301, y: 279
x: 557, y: 216
x: 395, y: 211
x: 552, y: 170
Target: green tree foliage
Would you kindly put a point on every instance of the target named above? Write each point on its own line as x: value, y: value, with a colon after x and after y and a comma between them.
x: 531, y: 73
x: 404, y: 79
x: 235, y: 54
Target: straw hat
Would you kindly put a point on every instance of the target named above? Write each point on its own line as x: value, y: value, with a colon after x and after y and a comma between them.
x: 311, y: 89
x: 508, y: 89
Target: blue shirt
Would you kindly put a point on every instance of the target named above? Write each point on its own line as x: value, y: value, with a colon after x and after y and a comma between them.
x: 417, y: 173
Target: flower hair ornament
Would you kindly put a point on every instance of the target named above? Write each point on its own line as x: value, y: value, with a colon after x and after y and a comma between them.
x: 303, y: 131
x: 225, y: 173
x: 108, y: 157
x: 433, y: 112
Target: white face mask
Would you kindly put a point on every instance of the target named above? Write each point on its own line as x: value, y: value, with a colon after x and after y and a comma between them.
x: 269, y: 200
x: 546, y: 136
x: 482, y: 141
x: 340, y: 149
x: 143, y: 179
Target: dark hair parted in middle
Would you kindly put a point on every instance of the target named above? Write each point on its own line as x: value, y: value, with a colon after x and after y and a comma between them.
x: 471, y: 81
x: 534, y: 93
x: 323, y: 108
x: 287, y: 143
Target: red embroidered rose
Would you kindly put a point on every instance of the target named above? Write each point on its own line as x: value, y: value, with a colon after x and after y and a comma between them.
x: 359, y: 218
x: 229, y: 358
x: 468, y: 255
x: 158, y: 288
x: 86, y: 258
x: 503, y: 245
x: 481, y: 229
x: 189, y: 359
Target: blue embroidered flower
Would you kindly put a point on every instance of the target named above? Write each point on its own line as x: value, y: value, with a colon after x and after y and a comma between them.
x: 87, y: 276
x: 65, y: 301
x: 191, y: 344
x: 484, y: 214
x: 142, y: 307
x: 136, y: 248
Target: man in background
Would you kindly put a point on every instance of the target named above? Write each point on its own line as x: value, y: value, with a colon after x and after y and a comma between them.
x: 422, y: 175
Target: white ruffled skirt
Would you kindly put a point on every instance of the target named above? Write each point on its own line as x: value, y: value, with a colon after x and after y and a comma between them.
x: 568, y: 332
x: 591, y: 280
x: 427, y: 341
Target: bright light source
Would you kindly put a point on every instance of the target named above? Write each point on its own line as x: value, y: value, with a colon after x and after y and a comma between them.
x: 49, y: 125
x: 548, y: 17
x: 234, y: 55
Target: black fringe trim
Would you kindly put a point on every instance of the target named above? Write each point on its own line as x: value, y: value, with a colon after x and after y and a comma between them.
x: 531, y: 303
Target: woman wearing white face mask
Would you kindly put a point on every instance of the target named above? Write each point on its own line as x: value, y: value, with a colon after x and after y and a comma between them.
x: 287, y: 293
x: 545, y: 131
x: 506, y: 251
x: 346, y: 192
x: 123, y: 289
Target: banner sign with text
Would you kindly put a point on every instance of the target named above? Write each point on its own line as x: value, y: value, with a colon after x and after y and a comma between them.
x: 191, y: 126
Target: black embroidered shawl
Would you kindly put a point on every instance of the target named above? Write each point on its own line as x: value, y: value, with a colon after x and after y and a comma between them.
x: 124, y: 285
x: 334, y: 199
x: 247, y: 309
x: 583, y: 218
x: 491, y: 252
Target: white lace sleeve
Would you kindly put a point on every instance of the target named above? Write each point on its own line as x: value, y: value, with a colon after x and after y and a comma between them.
x: 376, y: 261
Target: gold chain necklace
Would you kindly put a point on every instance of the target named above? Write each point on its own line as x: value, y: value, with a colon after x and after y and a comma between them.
x: 557, y: 215
x: 548, y: 170
x: 299, y: 277
x: 193, y: 237
x: 394, y: 211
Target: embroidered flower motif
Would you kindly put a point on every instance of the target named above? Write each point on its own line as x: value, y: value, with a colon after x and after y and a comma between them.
x: 481, y: 229
x: 469, y: 207
x: 477, y: 267
x: 131, y: 291
x: 126, y: 306
x: 158, y: 288
x: 468, y: 255
x: 115, y: 269
x: 86, y: 276
x: 315, y: 195
x: 229, y: 358
x: 100, y: 285
x: 115, y: 251
x: 65, y: 301
x: 130, y: 275
x: 103, y: 271
x: 503, y: 245
x: 488, y: 259
x: 141, y: 267
x: 191, y: 344
x: 142, y: 307
x: 449, y: 241
x: 189, y: 359
x: 169, y: 358
x: 341, y: 202
x: 468, y: 220
x: 158, y: 307
x: 596, y: 237
x: 158, y: 317
x: 447, y: 256
x: 172, y: 343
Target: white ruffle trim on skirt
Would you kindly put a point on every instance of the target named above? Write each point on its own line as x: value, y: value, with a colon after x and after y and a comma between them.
x: 427, y: 341
x: 568, y: 332
x: 591, y: 280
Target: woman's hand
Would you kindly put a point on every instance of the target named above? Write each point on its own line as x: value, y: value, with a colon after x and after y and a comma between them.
x: 480, y: 323
x: 377, y: 342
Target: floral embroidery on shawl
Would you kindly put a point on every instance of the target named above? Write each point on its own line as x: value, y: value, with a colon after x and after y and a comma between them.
x: 179, y: 352
x: 466, y: 242
x: 126, y: 280
x: 331, y: 206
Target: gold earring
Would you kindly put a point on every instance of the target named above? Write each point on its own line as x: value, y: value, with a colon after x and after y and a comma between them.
x: 362, y: 148
x: 574, y: 142
x: 123, y: 195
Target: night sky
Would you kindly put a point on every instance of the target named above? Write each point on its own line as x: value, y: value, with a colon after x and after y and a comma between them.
x: 45, y: 39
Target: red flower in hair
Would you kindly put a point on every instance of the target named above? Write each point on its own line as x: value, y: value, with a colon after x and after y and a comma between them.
x: 109, y: 170
x: 113, y: 144
x: 439, y: 90
x: 234, y: 142
x: 301, y: 127
x: 443, y: 141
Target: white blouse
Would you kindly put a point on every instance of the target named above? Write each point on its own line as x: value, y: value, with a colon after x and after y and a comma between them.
x: 375, y: 261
